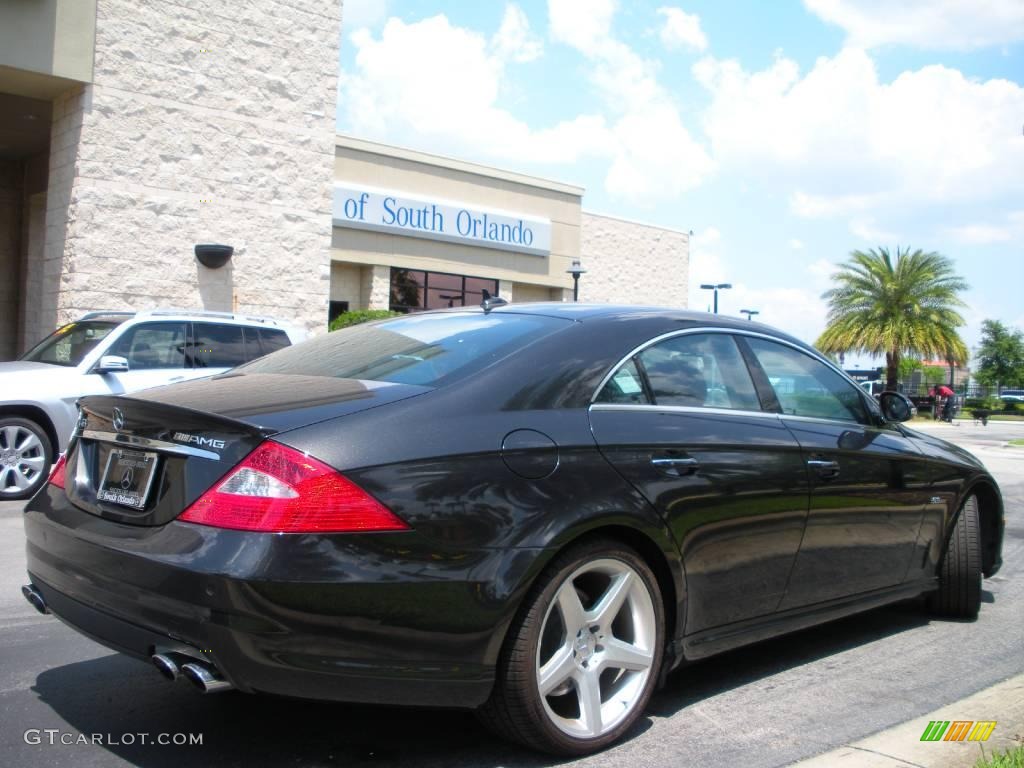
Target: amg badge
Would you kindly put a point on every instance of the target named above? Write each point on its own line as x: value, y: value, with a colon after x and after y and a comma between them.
x: 208, y: 442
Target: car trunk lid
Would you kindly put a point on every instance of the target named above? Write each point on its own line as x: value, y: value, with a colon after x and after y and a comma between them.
x: 142, y: 460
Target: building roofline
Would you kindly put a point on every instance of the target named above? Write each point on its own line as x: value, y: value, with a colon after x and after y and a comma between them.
x: 639, y: 223
x: 442, y: 161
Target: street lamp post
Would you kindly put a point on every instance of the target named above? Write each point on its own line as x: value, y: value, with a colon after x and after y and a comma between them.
x: 716, y: 288
x: 750, y: 313
x: 576, y: 270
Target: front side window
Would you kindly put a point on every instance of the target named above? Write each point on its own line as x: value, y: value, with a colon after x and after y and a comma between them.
x: 69, y: 344
x: 150, y: 346
x: 806, y: 386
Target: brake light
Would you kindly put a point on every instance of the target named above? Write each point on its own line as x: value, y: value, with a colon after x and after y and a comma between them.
x: 277, y: 489
x: 57, y: 473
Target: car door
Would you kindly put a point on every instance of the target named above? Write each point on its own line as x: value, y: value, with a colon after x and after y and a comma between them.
x: 217, y: 347
x: 869, y: 483
x: 157, y: 353
x: 682, y: 422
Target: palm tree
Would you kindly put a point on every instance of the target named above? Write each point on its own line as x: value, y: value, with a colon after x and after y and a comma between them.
x: 906, y: 305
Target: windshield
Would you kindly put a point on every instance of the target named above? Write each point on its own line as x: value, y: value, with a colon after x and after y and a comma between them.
x: 424, y: 349
x: 70, y: 344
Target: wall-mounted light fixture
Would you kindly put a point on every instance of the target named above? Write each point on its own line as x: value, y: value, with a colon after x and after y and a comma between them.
x: 213, y: 255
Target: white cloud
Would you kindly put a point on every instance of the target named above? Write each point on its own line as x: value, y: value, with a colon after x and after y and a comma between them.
x: 980, y: 234
x: 865, y: 229
x: 514, y: 41
x: 462, y: 111
x: 928, y: 24
x: 681, y: 30
x: 796, y: 244
x: 848, y: 142
x: 811, y: 206
x: 581, y: 23
x: 654, y: 156
x: 637, y: 130
x: 799, y: 311
x: 356, y: 14
x: 986, y: 233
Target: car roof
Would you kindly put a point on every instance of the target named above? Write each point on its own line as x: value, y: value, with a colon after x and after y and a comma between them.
x: 610, y: 313
x: 184, y: 314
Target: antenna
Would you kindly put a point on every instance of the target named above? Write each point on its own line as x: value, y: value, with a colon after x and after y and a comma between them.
x: 490, y: 302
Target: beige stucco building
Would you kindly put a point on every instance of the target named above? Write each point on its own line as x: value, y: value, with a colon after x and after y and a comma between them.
x: 131, y: 131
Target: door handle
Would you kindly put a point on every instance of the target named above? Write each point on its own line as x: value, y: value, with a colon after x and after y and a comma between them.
x: 672, y: 464
x: 826, y: 468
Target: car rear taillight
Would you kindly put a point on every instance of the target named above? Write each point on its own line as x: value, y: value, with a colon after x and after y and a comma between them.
x: 277, y: 489
x: 57, y: 473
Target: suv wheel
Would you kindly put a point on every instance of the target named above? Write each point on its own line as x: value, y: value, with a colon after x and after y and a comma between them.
x: 25, y: 458
x: 582, y: 658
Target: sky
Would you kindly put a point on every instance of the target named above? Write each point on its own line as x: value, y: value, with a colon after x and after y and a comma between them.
x: 783, y: 134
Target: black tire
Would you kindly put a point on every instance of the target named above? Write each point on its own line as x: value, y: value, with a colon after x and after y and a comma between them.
x: 13, y: 467
x: 516, y: 710
x: 959, y: 592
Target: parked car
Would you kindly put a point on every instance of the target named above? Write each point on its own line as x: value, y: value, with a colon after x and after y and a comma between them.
x: 1012, y: 395
x: 530, y: 510
x: 112, y: 352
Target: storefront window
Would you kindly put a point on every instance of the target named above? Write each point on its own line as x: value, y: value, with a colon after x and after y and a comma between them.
x: 415, y: 290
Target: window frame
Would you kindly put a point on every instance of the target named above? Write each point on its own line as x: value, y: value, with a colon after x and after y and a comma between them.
x: 130, y: 331
x: 766, y: 393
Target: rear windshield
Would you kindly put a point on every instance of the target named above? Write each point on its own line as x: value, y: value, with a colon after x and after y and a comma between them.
x: 424, y: 349
x: 69, y: 344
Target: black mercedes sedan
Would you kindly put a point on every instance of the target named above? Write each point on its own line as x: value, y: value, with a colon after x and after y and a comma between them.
x: 535, y: 511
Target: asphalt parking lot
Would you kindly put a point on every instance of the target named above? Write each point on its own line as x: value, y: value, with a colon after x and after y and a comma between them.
x: 766, y: 705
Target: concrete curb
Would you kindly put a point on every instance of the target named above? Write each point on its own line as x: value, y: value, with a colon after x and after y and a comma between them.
x: 901, y: 746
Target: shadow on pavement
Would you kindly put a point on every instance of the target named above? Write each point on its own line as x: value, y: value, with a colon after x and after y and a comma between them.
x: 115, y: 695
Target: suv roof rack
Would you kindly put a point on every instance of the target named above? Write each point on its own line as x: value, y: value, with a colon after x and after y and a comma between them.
x: 106, y: 313
x: 208, y: 313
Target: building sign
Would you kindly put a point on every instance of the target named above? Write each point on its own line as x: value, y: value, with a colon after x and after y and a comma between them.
x: 399, y: 213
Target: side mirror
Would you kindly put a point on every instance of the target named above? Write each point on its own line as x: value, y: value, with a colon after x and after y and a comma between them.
x: 895, y: 406
x: 112, y: 364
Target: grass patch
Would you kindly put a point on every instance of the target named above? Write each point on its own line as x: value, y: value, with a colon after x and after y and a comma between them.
x: 1011, y: 758
x: 1017, y: 442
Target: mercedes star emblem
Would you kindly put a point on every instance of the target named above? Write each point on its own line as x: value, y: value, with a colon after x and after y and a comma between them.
x: 118, y: 419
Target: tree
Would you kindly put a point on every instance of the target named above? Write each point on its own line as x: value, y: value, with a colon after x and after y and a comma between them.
x: 899, y: 306
x: 1000, y: 355
x: 907, y: 367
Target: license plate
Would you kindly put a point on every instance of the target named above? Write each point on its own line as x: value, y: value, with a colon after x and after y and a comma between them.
x: 127, y: 478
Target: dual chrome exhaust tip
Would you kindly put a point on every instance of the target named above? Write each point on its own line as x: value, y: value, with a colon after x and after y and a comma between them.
x: 35, y: 598
x: 205, y: 677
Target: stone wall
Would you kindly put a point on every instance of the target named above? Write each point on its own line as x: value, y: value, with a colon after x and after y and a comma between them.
x: 206, y: 122
x: 10, y: 254
x: 632, y: 263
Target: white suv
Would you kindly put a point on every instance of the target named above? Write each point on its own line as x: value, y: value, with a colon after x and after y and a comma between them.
x: 112, y: 353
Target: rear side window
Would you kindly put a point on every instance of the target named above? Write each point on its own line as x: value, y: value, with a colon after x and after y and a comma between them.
x: 704, y: 370
x: 271, y: 340
x: 152, y: 346
x: 424, y: 349
x: 217, y: 346
x: 806, y: 386
x: 625, y: 387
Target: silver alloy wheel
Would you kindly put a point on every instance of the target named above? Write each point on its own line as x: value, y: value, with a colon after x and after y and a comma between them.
x: 22, y: 459
x: 596, y: 648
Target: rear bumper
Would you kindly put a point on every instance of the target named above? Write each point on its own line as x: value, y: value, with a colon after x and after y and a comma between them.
x: 358, y: 626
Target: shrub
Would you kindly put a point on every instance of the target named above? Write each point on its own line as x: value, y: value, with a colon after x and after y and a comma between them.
x: 346, y: 319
